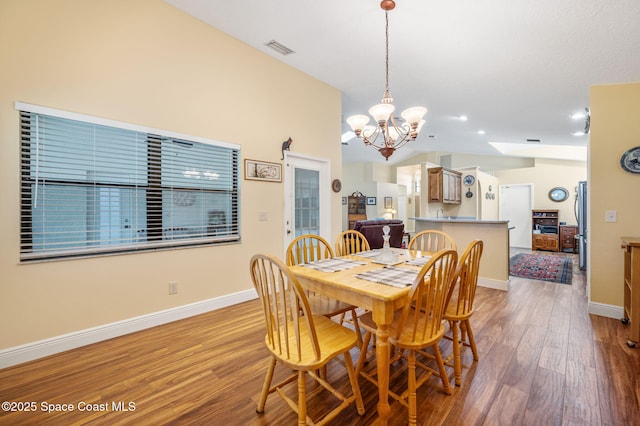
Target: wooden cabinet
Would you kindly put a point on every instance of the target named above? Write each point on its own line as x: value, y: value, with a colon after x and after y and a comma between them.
x: 568, y: 241
x: 631, y: 247
x: 445, y: 185
x: 356, y: 208
x: 545, y: 230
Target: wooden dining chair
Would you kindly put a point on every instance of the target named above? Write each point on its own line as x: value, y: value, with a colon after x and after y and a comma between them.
x: 416, y: 327
x: 299, y: 340
x: 350, y: 242
x: 460, y: 305
x: 431, y: 241
x: 309, y: 248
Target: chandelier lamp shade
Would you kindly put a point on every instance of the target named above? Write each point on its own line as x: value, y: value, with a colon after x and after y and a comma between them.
x: 387, y: 135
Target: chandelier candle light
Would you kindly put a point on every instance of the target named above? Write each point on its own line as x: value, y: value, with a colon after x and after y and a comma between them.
x: 388, y: 136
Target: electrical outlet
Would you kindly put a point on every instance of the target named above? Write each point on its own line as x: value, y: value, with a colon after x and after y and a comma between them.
x: 173, y: 287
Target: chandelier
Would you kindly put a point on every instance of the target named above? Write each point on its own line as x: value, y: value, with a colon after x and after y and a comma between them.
x: 388, y: 135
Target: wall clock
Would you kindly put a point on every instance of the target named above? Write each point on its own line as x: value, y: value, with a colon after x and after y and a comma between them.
x: 630, y: 160
x: 336, y: 185
x: 468, y: 180
x: 558, y: 194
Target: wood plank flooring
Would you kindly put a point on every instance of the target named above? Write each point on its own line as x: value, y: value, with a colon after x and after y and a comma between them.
x: 543, y: 361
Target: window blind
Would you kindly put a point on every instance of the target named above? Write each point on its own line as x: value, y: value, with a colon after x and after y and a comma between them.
x: 90, y: 188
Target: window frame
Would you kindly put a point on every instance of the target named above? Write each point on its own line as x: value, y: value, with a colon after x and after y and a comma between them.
x: 202, y: 238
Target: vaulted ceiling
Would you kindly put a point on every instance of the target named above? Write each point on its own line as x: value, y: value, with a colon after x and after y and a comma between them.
x: 517, y: 70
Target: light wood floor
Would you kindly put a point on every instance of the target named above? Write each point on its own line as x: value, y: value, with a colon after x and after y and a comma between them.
x: 543, y: 361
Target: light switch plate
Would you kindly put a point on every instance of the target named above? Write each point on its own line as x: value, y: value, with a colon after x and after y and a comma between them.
x: 611, y: 216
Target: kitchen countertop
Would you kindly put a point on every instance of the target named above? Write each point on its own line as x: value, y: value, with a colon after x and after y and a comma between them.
x: 459, y: 220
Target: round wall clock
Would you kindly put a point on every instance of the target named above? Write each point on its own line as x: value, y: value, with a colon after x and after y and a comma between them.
x: 558, y: 194
x: 630, y: 160
x: 468, y: 180
x: 336, y: 185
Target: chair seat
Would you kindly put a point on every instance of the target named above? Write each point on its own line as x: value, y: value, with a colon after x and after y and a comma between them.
x: 333, y: 339
x: 453, y: 313
x: 323, y: 305
x: 405, y: 340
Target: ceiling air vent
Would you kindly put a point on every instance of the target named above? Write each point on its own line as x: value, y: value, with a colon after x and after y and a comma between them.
x: 278, y: 47
x: 533, y: 140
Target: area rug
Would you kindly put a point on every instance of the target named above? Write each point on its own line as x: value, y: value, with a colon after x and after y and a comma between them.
x: 544, y: 267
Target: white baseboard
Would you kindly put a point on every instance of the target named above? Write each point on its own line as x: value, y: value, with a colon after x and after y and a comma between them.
x: 493, y: 283
x: 30, y: 351
x: 608, y: 311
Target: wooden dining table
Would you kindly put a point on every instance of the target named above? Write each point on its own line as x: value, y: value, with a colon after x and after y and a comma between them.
x: 381, y: 299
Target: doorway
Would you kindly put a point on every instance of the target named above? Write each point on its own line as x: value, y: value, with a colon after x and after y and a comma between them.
x: 516, y: 202
x: 306, y: 197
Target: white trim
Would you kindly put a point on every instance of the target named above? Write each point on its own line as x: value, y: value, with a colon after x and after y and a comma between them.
x: 608, y: 311
x: 30, y: 351
x: 493, y: 283
x: 22, y: 106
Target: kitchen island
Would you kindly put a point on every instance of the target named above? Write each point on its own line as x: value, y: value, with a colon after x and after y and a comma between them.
x: 494, y: 264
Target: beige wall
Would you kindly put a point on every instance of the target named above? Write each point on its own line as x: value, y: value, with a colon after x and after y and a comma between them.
x: 545, y: 175
x: 614, y: 129
x: 147, y: 63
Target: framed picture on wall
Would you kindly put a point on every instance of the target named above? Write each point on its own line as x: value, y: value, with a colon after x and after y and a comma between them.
x: 388, y: 202
x: 371, y: 201
x: 262, y: 170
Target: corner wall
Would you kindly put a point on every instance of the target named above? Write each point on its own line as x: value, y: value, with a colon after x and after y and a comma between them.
x: 614, y: 129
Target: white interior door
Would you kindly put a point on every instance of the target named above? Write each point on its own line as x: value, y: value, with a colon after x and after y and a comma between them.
x: 516, y: 202
x: 307, y: 198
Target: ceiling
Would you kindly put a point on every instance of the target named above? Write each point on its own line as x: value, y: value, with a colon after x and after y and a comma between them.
x: 517, y: 69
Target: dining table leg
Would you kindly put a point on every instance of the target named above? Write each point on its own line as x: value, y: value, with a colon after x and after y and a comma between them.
x: 382, y: 364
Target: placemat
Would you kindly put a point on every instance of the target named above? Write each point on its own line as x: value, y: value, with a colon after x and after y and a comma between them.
x: 390, y: 275
x: 368, y: 253
x: 333, y: 265
x: 418, y: 261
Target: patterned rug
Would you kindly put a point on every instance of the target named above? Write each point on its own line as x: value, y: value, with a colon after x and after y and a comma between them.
x: 544, y: 267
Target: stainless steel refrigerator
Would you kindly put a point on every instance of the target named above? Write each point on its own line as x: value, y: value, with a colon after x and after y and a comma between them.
x: 581, y: 218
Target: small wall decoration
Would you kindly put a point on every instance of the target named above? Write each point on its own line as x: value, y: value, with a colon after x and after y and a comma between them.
x: 388, y: 202
x: 262, y: 170
x: 371, y: 201
x: 630, y: 160
x: 558, y: 194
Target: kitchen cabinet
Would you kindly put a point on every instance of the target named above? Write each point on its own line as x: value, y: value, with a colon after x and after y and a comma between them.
x: 445, y: 185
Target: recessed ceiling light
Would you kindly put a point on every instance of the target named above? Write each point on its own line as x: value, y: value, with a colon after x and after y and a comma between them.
x: 481, y: 132
x: 578, y: 115
x: 580, y: 133
x: 463, y: 118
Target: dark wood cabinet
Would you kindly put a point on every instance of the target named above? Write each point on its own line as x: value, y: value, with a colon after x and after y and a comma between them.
x: 568, y: 241
x: 445, y: 185
x: 356, y: 208
x: 545, y: 230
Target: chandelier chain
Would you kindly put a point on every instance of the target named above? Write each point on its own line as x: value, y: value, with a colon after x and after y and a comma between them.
x: 386, y: 16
